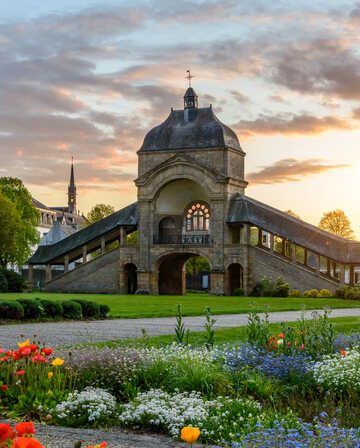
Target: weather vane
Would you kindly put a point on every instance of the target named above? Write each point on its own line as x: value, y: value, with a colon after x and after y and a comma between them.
x: 189, y: 76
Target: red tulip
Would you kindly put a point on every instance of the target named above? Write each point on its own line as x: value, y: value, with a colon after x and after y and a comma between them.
x: 23, y: 428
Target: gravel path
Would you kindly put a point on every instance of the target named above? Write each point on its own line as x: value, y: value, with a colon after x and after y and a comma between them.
x: 58, y: 334
x: 60, y: 437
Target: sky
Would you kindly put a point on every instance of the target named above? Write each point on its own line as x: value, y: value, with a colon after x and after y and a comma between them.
x: 90, y: 78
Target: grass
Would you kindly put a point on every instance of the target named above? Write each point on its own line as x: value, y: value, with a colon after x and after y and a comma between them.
x: 345, y: 325
x: 136, y: 306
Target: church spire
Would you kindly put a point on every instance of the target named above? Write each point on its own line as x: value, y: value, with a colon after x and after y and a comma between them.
x: 190, y: 97
x: 72, y: 190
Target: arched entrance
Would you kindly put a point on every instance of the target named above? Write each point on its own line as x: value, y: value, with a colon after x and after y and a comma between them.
x: 172, y: 277
x: 130, y: 278
x: 236, y: 277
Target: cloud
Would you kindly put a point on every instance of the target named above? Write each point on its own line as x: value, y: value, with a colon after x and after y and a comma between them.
x: 290, y: 170
x: 291, y: 124
x: 239, y: 97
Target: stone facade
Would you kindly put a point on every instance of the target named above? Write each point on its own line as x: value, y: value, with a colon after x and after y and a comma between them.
x: 191, y: 201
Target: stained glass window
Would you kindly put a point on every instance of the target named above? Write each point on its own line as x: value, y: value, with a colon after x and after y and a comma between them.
x: 198, y: 217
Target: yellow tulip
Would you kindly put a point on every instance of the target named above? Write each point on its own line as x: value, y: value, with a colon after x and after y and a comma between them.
x: 23, y: 344
x: 58, y: 362
x: 190, y: 434
x: 50, y: 375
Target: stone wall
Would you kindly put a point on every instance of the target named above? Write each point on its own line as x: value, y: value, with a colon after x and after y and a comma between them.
x: 267, y: 264
x: 100, y: 275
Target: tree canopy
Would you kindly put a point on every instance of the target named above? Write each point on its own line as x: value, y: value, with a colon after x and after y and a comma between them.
x: 18, y: 221
x: 291, y: 213
x: 196, y: 265
x: 338, y: 223
x: 98, y: 212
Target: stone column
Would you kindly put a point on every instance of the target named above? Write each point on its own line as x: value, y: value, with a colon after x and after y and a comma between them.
x: 48, y: 273
x: 122, y: 237
x: 271, y: 242
x: 84, y: 253
x: 66, y: 263
x: 31, y: 276
x: 103, y: 245
x: 245, y: 234
x: 293, y: 253
x: 342, y: 274
x: 217, y: 282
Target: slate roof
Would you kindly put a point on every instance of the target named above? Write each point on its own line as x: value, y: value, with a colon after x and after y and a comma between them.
x: 57, y: 233
x: 245, y: 209
x: 127, y: 216
x: 39, y: 204
x: 202, y: 130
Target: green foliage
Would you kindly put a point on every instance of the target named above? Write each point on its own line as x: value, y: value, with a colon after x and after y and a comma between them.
x: 89, y: 309
x: 258, y: 328
x: 104, y: 310
x: 179, y: 328
x: 11, y: 310
x: 23, y: 218
x: 340, y: 292
x: 311, y: 293
x: 98, y: 212
x: 263, y: 288
x: 15, y: 281
x: 281, y: 288
x: 3, y: 282
x: 72, y: 310
x: 338, y: 223
x: 352, y: 293
x: 209, y: 328
x: 239, y: 292
x: 196, y: 265
x: 132, y: 238
x: 52, y: 309
x: 295, y: 293
x: 33, y: 309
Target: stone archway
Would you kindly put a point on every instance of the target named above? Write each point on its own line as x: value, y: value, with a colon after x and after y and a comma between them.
x: 130, y: 278
x: 235, y: 277
x: 171, y: 279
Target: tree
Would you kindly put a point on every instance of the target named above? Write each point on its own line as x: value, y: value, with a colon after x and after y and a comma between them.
x: 20, y: 218
x: 291, y: 213
x: 98, y: 212
x: 338, y: 223
x: 196, y: 265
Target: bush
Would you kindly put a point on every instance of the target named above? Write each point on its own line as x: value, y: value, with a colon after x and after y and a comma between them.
x: 11, y: 309
x: 89, y: 309
x: 264, y: 288
x: 340, y: 292
x: 239, y: 292
x: 32, y: 308
x: 281, y: 288
x: 352, y: 293
x: 15, y: 281
x: 311, y: 293
x: 3, y: 282
x: 324, y: 293
x: 104, y: 310
x: 295, y: 293
x: 51, y: 308
x: 71, y: 309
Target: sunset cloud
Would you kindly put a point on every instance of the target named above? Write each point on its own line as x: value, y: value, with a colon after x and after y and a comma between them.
x: 290, y: 170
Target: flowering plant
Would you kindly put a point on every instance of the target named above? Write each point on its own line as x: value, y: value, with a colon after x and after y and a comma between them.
x: 21, y: 436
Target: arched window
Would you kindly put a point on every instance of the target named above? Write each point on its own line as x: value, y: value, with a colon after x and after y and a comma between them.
x: 198, y: 217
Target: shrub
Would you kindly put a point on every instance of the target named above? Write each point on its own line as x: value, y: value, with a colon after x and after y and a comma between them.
x: 311, y: 293
x: 3, y: 282
x: 352, y: 293
x: 51, y: 308
x: 104, y: 310
x: 11, y: 309
x: 89, y: 309
x: 281, y: 288
x: 340, y: 292
x: 295, y: 293
x: 239, y: 292
x: 264, y: 288
x: 15, y: 281
x: 71, y: 309
x: 32, y: 308
x: 324, y: 293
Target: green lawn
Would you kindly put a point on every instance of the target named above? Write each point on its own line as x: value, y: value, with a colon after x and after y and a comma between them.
x: 345, y: 325
x: 133, y: 306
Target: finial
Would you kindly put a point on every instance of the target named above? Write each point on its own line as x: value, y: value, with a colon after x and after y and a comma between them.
x: 189, y: 76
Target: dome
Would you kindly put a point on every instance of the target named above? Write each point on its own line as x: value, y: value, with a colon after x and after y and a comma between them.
x: 190, y: 129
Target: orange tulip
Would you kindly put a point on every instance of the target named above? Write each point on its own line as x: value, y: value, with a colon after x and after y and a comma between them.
x: 190, y: 434
x: 23, y: 428
x: 26, y: 442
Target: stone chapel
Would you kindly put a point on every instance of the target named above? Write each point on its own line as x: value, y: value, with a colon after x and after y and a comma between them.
x: 191, y: 201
